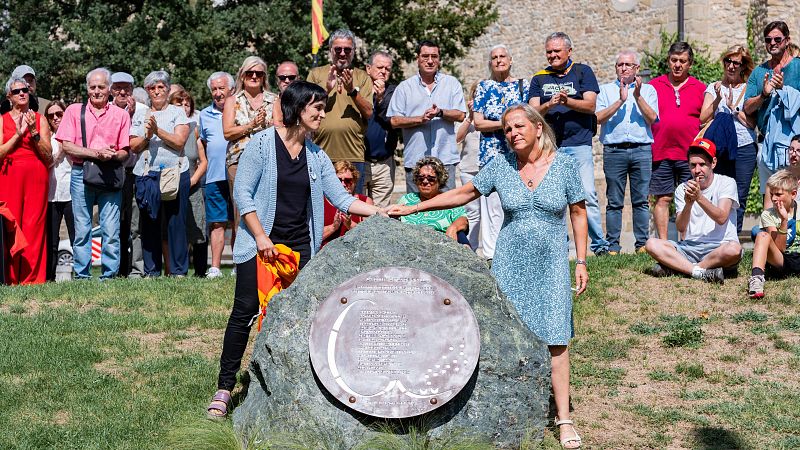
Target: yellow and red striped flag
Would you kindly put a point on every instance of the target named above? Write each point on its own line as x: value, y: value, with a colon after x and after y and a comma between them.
x: 318, y: 31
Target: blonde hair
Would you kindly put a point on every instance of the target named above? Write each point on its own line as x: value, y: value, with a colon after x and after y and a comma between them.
x: 547, y: 141
x: 783, y: 180
x: 341, y: 166
x: 248, y: 64
x: 747, y: 61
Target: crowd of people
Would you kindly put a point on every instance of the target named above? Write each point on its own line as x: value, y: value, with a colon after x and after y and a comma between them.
x: 168, y: 180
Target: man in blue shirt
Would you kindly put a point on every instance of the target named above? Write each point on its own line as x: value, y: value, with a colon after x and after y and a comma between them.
x: 219, y: 209
x: 425, y: 107
x: 565, y: 94
x: 625, y: 110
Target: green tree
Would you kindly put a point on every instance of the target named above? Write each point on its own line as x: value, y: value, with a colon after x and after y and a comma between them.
x: 705, y: 68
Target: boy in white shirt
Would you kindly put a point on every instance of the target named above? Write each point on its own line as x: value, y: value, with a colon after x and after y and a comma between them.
x: 706, y: 219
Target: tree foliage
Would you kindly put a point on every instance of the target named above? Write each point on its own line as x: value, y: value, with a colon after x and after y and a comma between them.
x: 705, y: 68
x: 64, y: 39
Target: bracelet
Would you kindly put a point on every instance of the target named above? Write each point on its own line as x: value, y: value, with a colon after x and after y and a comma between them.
x: 417, y: 208
x: 581, y: 262
x: 782, y: 231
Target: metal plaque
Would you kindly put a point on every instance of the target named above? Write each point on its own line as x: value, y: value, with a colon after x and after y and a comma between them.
x: 394, y: 342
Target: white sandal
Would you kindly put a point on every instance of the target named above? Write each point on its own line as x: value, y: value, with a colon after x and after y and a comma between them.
x: 564, y: 440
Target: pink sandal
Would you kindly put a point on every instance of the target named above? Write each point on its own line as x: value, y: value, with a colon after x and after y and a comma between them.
x: 218, y: 408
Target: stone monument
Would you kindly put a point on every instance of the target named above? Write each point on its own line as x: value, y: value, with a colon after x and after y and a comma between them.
x: 353, y: 345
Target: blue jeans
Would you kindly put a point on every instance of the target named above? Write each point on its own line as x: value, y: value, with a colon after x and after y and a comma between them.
x: 108, y: 202
x: 619, y: 164
x: 172, y: 219
x: 585, y: 162
x: 741, y: 169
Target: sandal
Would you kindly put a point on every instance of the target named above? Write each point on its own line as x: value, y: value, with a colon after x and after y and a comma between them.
x: 567, y: 439
x: 218, y: 408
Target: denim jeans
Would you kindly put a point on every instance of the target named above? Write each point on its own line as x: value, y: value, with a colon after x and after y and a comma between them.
x: 619, y: 164
x: 172, y: 218
x: 108, y: 203
x: 741, y: 169
x: 585, y: 162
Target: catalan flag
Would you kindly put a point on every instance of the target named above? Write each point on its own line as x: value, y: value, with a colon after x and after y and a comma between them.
x: 318, y: 31
x: 271, y: 277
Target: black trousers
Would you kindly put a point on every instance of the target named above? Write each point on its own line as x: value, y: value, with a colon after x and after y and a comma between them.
x: 245, y: 307
x: 55, y: 212
x: 125, y: 223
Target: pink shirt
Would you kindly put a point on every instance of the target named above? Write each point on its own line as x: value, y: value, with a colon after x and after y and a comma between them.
x: 677, y: 126
x: 110, y: 128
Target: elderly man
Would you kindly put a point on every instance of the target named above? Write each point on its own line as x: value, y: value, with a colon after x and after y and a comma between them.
x: 766, y: 95
x: 626, y: 109
x: 107, y: 138
x: 286, y: 72
x: 680, y: 99
x: 131, y: 262
x: 706, y: 217
x: 425, y: 107
x: 349, y: 106
x: 28, y: 74
x: 219, y: 206
x: 381, y: 138
x: 565, y: 93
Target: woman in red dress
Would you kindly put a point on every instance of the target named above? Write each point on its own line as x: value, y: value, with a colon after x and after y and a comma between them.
x: 25, y: 156
x: 338, y: 223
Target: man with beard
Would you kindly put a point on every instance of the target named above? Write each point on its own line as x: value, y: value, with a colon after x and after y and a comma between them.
x: 349, y: 105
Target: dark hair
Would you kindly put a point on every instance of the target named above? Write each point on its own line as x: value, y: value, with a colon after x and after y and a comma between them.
x: 796, y: 137
x: 681, y: 47
x: 296, y: 97
x: 58, y: 103
x: 777, y: 24
x: 426, y: 43
x: 700, y: 152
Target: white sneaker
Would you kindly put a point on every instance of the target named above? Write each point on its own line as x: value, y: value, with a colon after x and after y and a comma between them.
x: 213, y: 272
x: 233, y: 272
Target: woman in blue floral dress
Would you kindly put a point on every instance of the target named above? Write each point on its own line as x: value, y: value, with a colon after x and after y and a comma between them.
x: 492, y: 98
x: 536, y: 185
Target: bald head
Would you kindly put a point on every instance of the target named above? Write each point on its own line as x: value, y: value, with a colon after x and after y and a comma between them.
x: 286, y: 72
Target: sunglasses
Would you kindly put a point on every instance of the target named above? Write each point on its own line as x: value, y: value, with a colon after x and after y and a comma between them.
x: 426, y: 178
x: 287, y: 77
x: 58, y: 114
x: 253, y: 73
x: 347, y: 181
x: 17, y: 91
x: 345, y: 50
x: 770, y: 40
x: 728, y: 61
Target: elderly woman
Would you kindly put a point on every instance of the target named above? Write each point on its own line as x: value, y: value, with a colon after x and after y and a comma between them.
x: 727, y: 96
x: 59, y: 200
x: 196, y: 154
x: 536, y: 185
x: 160, y: 140
x: 337, y: 223
x: 247, y: 111
x: 25, y: 155
x: 429, y: 176
x: 491, y: 99
x: 280, y: 192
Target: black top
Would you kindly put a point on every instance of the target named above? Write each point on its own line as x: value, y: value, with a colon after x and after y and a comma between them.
x: 294, y: 194
x: 381, y: 139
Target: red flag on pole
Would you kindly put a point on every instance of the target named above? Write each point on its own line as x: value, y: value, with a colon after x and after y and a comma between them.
x: 318, y: 31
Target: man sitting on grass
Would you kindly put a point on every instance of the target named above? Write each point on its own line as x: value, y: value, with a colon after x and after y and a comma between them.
x: 706, y: 207
x: 777, y: 247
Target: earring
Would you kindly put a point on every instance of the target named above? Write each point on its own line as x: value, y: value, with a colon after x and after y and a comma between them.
x: 298, y: 122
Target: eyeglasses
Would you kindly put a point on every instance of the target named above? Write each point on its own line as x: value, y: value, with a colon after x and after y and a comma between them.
x: 728, y: 61
x: 345, y: 50
x: 426, y: 179
x: 17, y: 91
x: 793, y: 150
x: 347, y: 181
x: 253, y: 73
x: 770, y: 40
x: 287, y: 77
x: 625, y: 65
x: 58, y: 114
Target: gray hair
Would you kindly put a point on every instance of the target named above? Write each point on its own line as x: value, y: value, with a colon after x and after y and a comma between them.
x: 156, y: 76
x: 140, y: 95
x: 14, y: 80
x: 559, y: 35
x: 101, y: 70
x: 382, y: 53
x: 343, y: 34
x: 218, y: 75
x: 491, y: 50
x: 628, y: 53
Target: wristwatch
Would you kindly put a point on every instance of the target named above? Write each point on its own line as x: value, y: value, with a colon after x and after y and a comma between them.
x: 581, y: 262
x: 354, y: 92
x: 35, y: 136
x: 440, y: 113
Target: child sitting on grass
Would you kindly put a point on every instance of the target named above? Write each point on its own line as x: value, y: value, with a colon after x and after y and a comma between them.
x: 776, y: 247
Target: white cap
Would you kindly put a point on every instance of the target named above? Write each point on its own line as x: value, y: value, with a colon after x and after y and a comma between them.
x: 22, y: 70
x: 121, y: 77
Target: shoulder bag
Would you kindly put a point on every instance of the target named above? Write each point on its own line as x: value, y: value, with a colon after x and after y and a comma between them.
x: 106, y: 175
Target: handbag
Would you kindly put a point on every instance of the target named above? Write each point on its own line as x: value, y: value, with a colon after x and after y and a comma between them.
x: 106, y: 175
x: 168, y: 180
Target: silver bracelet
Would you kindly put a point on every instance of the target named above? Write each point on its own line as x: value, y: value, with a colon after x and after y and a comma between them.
x: 581, y: 261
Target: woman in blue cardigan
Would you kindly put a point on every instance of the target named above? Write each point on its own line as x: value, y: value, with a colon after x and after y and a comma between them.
x: 279, y: 190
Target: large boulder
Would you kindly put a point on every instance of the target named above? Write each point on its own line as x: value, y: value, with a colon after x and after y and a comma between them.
x: 506, y: 399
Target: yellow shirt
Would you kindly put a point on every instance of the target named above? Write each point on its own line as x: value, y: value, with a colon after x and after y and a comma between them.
x: 341, y: 133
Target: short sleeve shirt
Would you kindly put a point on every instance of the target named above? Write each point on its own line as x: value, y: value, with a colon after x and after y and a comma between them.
x: 341, y: 133
x: 492, y: 98
x: 770, y: 218
x: 438, y: 220
x: 111, y: 128
x: 678, y: 124
x: 572, y: 128
x: 702, y: 228
x: 755, y: 85
x: 436, y: 137
x: 158, y: 155
x: 216, y: 145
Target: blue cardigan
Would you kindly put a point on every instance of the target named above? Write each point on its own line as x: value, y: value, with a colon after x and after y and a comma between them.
x: 256, y: 185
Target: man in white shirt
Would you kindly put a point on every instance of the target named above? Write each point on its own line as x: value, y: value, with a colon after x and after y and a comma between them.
x: 706, y: 219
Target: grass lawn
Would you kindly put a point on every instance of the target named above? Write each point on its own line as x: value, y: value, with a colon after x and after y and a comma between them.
x: 657, y: 362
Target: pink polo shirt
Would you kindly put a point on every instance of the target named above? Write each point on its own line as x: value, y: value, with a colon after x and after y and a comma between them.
x: 677, y: 126
x: 110, y: 128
